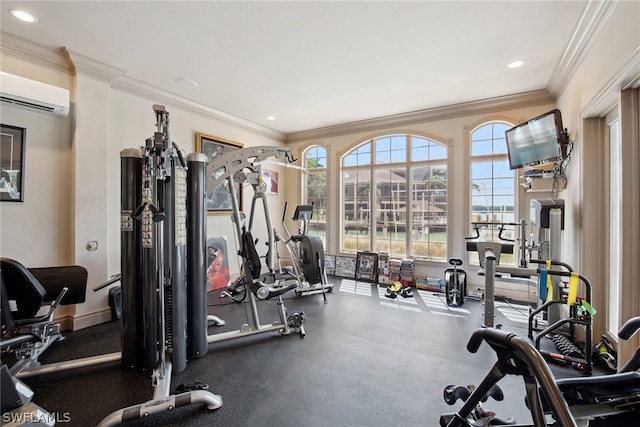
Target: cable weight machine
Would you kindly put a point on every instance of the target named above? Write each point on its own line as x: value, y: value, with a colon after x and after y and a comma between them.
x: 162, y: 316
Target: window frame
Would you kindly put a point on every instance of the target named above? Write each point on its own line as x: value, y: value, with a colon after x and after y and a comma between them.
x: 493, y: 157
x: 305, y: 190
x: 374, y: 166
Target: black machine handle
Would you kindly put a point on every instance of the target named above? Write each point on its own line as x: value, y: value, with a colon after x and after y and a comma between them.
x: 478, y: 225
x: 629, y: 328
x: 542, y: 261
x: 626, y: 331
x: 183, y: 162
x: 112, y: 279
x: 526, y: 353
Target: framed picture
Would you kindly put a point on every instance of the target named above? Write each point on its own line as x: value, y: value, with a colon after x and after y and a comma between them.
x: 367, y: 266
x: 271, y: 179
x: 217, y: 263
x: 12, y: 162
x: 218, y: 199
x: 345, y: 266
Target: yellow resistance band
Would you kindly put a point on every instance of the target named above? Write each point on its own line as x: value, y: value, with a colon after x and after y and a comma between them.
x: 573, y: 289
x: 549, y: 283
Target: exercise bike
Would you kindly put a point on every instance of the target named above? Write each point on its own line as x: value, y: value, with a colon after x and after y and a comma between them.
x: 455, y: 283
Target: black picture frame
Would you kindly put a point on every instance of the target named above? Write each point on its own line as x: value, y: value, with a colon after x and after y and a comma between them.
x: 218, y: 199
x: 12, y: 155
x: 367, y: 267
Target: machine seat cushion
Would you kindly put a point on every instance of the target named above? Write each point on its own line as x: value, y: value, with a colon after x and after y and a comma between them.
x: 27, y: 289
x: 592, y: 390
x: 53, y: 279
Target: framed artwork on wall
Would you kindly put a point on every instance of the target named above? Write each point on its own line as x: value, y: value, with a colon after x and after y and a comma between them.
x: 12, y: 149
x: 218, y: 199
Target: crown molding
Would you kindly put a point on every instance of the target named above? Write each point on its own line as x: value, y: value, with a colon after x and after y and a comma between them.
x: 594, y: 16
x: 484, y: 106
x: 85, y: 66
x: 144, y: 90
x: 33, y: 53
x: 607, y: 97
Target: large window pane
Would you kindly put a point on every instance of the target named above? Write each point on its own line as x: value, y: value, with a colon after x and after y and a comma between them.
x: 356, y: 190
x: 316, y: 185
x: 493, y: 185
x: 391, y: 208
x: 391, y: 149
x: 359, y: 157
x: 315, y: 191
x: 316, y: 158
x: 429, y: 211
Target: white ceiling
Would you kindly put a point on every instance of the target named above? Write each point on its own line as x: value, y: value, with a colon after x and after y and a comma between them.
x: 315, y: 64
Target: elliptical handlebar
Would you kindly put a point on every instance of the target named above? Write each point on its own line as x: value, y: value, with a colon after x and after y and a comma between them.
x: 284, y: 212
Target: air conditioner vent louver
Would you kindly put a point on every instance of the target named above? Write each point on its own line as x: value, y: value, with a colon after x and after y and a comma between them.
x: 28, y: 105
x: 16, y: 91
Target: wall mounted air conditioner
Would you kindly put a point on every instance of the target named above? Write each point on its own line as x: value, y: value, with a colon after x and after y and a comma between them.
x: 32, y: 95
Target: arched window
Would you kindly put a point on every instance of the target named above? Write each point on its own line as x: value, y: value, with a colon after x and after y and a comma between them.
x: 493, y: 184
x: 315, y: 190
x: 394, y: 197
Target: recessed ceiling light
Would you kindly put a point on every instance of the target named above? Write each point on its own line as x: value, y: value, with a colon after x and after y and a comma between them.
x: 185, y: 83
x: 270, y: 118
x: 515, y: 64
x: 23, y: 16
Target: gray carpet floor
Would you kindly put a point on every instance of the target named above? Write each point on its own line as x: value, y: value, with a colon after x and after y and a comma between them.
x: 366, y: 360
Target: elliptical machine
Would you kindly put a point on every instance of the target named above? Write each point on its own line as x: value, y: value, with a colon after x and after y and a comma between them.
x: 306, y: 254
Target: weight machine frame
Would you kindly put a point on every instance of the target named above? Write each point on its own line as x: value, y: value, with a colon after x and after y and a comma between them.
x: 236, y: 168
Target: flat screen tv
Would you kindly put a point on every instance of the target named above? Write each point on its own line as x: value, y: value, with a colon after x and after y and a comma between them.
x: 537, y: 141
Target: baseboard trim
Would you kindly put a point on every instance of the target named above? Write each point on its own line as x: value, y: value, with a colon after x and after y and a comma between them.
x: 76, y: 322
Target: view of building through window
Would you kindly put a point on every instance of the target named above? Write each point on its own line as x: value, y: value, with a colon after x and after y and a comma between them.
x: 394, y: 193
x: 394, y: 197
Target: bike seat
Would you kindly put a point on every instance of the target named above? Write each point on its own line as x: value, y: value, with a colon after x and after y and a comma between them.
x: 455, y: 261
